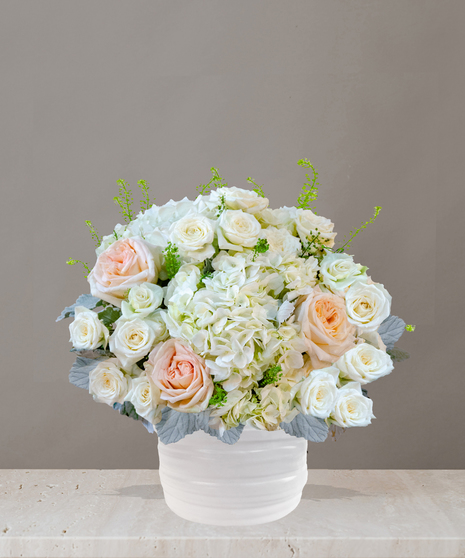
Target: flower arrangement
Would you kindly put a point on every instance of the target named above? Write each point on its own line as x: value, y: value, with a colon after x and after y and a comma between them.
x: 220, y: 312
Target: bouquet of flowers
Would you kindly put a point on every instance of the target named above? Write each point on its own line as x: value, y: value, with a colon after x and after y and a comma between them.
x: 220, y: 312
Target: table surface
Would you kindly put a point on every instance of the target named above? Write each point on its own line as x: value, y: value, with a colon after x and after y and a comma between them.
x: 122, y: 513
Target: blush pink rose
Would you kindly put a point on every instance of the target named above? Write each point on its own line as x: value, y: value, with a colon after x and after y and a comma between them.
x: 124, y: 264
x: 328, y: 334
x: 181, y: 376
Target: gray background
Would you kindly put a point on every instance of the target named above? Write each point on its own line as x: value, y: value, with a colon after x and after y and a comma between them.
x: 370, y: 91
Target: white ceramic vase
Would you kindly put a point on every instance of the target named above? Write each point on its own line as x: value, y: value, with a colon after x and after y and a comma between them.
x: 257, y: 480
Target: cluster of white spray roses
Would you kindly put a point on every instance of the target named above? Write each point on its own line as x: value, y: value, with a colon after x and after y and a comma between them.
x: 224, y: 305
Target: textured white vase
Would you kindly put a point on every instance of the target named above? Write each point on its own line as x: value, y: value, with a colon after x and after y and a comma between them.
x: 257, y: 480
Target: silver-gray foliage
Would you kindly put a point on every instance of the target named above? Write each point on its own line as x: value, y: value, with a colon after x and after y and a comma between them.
x: 86, y: 300
x: 175, y: 426
x: 398, y: 355
x: 391, y: 330
x: 305, y: 426
x: 79, y: 373
x: 127, y: 409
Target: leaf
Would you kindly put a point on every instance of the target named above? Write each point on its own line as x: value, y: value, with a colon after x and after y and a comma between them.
x: 174, y: 426
x: 109, y: 315
x: 305, y: 426
x: 391, y: 330
x: 230, y: 436
x: 397, y: 354
x: 86, y: 300
x: 127, y: 409
x: 79, y: 373
x: 94, y: 353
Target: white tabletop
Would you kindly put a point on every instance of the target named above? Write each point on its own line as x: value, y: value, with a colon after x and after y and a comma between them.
x: 121, y: 513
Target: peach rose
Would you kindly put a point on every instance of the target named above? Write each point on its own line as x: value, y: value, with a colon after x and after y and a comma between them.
x: 326, y: 329
x: 124, y: 264
x: 181, y: 376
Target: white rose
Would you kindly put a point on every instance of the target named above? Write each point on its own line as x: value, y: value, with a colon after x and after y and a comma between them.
x: 193, y: 235
x: 367, y: 305
x: 284, y: 217
x: 237, y: 229
x: 316, y: 395
x: 364, y: 363
x: 281, y: 241
x: 142, y: 300
x: 237, y: 198
x: 132, y: 340
x: 145, y: 396
x: 339, y: 271
x: 87, y: 331
x: 107, y: 383
x: 352, y: 407
x: 308, y: 224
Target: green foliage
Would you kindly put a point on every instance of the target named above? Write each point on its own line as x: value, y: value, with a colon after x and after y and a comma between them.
x: 314, y: 247
x: 258, y: 189
x: 410, y: 327
x: 362, y: 226
x: 271, y: 376
x: 145, y: 202
x: 172, y: 260
x: 115, y: 234
x: 216, y: 182
x: 221, y: 206
x: 310, y: 188
x: 219, y: 397
x: 109, y: 315
x: 124, y: 200
x: 74, y: 262
x: 261, y: 247
x: 93, y: 233
x: 397, y: 355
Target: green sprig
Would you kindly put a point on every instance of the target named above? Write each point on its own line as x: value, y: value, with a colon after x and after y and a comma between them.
x: 74, y: 262
x: 271, y: 376
x: 221, y: 206
x: 261, y: 247
x: 310, y: 188
x: 219, y: 397
x: 258, y: 189
x: 362, y: 226
x: 124, y: 200
x: 410, y: 327
x: 216, y: 182
x: 145, y: 202
x: 172, y: 260
x: 93, y: 233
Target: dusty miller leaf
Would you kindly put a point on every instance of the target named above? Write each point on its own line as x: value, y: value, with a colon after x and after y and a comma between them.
x: 86, y: 300
x: 305, y: 426
x: 397, y: 355
x: 79, y: 373
x: 230, y: 436
x: 391, y: 330
x: 174, y: 426
x: 127, y: 409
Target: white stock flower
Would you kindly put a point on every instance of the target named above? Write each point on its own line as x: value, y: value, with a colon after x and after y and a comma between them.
x: 132, y: 340
x: 316, y: 395
x: 352, y: 407
x: 238, y: 198
x: 281, y: 241
x: 142, y: 300
x: 107, y: 383
x: 237, y: 230
x: 193, y: 235
x: 87, y: 331
x: 309, y: 224
x: 145, y: 396
x: 364, y: 363
x: 339, y: 271
x: 368, y: 305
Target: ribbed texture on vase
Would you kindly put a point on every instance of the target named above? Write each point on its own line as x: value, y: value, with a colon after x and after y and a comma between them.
x: 257, y: 480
